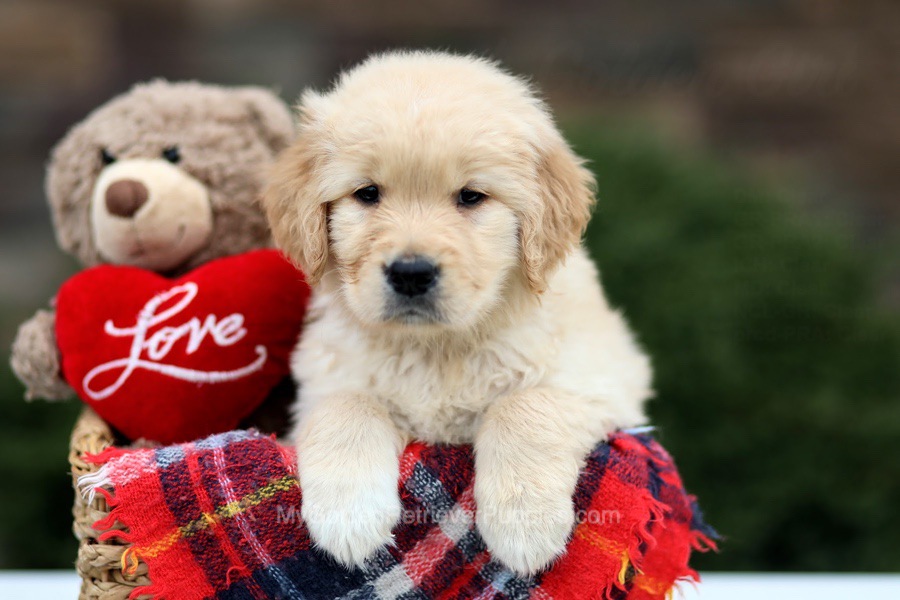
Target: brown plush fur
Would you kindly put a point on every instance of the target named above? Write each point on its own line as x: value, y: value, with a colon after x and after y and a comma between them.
x: 226, y: 137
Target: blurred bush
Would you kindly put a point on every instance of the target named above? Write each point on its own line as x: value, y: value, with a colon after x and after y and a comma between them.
x: 36, y: 494
x: 778, y: 374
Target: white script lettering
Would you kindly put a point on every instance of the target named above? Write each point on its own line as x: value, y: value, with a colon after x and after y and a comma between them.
x: 149, y: 351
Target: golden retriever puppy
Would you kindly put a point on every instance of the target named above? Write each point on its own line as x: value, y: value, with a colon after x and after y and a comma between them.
x: 437, y: 212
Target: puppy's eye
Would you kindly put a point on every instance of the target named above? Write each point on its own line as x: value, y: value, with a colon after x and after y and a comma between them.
x: 106, y: 157
x: 172, y: 154
x: 469, y: 197
x: 368, y: 195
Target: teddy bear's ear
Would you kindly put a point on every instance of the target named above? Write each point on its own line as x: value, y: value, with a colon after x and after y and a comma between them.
x: 71, y: 172
x: 270, y: 116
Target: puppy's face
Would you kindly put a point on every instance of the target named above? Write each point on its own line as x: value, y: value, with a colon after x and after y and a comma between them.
x: 428, y: 187
x: 424, y: 232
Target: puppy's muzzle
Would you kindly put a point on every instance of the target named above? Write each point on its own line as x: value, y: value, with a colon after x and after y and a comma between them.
x: 411, y: 276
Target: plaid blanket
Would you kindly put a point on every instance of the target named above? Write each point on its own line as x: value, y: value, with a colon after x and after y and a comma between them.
x: 220, y: 518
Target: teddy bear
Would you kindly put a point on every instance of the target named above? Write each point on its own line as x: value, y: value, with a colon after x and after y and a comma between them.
x: 163, y: 178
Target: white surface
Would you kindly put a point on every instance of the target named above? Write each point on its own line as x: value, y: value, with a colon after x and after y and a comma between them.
x: 63, y: 585
x: 39, y: 585
x: 790, y: 586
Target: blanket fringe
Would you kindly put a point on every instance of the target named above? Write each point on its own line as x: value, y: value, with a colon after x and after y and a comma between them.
x: 90, y: 484
x: 691, y: 578
x: 104, y: 456
x: 144, y: 590
x: 115, y: 533
x: 702, y: 542
x: 129, y: 562
x: 641, y: 535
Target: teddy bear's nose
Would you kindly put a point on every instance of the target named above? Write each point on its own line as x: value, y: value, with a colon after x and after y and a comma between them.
x: 125, y: 196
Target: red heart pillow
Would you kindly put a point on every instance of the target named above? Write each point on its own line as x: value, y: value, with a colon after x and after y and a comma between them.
x: 172, y: 360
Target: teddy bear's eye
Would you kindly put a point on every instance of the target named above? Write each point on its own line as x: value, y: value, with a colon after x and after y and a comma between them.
x: 106, y: 157
x: 172, y: 154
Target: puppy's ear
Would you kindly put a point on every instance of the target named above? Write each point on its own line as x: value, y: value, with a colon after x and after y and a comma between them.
x: 554, y: 225
x: 295, y: 209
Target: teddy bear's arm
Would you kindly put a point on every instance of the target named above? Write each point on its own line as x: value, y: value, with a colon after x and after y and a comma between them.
x: 36, y: 361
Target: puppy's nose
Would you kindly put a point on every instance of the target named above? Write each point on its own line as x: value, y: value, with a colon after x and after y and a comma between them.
x: 412, y: 276
x: 125, y: 197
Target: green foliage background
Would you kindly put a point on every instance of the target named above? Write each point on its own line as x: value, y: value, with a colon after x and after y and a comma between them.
x: 778, y: 372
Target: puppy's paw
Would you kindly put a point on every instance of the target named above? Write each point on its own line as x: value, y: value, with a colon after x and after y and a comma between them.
x: 351, y: 520
x: 525, y: 525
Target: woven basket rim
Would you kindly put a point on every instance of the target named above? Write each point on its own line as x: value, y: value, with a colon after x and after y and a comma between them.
x: 99, y: 564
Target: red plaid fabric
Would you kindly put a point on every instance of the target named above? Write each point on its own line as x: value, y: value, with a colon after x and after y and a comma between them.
x: 219, y: 519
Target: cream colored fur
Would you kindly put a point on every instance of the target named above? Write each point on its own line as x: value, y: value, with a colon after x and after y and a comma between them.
x: 525, y: 358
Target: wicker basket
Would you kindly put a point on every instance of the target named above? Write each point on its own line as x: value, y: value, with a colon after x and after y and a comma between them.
x: 100, y: 564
